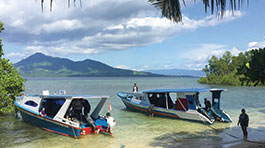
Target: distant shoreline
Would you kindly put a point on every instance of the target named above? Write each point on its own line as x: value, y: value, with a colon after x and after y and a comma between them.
x: 58, y: 78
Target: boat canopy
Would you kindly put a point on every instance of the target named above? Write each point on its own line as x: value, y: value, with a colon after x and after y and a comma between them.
x: 96, y: 111
x: 190, y: 90
x: 72, y: 96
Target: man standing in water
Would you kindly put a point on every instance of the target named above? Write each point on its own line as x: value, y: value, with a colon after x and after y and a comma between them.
x: 243, y: 121
x: 111, y: 123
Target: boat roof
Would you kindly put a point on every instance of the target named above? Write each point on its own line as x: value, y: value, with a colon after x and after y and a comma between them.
x: 188, y: 90
x: 71, y: 96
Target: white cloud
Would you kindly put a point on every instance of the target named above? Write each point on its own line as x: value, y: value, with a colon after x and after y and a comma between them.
x: 62, y: 25
x: 141, y: 32
x: 255, y: 45
x: 15, y: 54
x: 252, y: 44
x: 234, y: 51
x: 122, y: 67
x: 198, y: 57
x: 17, y: 23
x: 153, y: 22
x: 115, y: 27
x: 93, y: 29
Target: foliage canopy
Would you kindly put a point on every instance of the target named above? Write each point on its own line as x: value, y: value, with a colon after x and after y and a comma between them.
x: 246, y: 69
x: 254, y: 69
x: 11, y: 83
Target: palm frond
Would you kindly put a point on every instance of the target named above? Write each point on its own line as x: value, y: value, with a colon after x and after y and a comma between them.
x: 42, y: 1
x: 171, y: 9
x: 51, y: 5
x: 51, y: 2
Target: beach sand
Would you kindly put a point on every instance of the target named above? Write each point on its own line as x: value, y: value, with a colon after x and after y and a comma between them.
x: 250, y: 144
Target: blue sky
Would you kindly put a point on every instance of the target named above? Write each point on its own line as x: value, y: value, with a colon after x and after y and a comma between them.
x: 128, y: 34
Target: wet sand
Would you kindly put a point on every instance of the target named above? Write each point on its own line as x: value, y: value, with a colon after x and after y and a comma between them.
x: 250, y: 144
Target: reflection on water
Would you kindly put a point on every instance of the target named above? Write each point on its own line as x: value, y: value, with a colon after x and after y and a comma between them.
x: 136, y: 129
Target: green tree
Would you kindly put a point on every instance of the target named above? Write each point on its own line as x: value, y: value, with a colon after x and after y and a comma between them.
x: 254, y: 70
x: 11, y: 83
x: 223, y: 70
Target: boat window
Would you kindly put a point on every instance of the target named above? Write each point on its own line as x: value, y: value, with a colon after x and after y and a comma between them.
x: 31, y: 103
x: 52, y: 106
x: 138, y: 97
x: 161, y: 100
x: 153, y: 98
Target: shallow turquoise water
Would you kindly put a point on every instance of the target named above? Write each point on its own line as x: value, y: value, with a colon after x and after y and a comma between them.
x: 136, y: 129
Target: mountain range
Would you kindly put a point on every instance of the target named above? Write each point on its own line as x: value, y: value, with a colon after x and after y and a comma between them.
x: 40, y: 65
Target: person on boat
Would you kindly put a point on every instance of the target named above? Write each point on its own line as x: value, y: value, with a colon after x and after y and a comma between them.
x: 42, y: 112
x: 77, y: 108
x: 86, y: 106
x: 208, y: 107
x: 207, y: 104
x: 243, y: 121
x: 135, y: 88
x: 111, y: 123
x: 69, y: 115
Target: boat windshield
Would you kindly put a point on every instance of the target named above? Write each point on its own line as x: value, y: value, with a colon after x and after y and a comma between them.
x: 52, y: 106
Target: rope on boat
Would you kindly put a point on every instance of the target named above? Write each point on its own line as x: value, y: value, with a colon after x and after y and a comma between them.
x: 74, y: 132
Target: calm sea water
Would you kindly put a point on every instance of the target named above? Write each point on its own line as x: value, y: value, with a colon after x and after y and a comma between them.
x: 137, y: 130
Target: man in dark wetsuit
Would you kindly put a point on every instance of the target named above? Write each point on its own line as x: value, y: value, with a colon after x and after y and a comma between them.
x: 243, y: 121
x: 87, y: 107
x: 77, y: 108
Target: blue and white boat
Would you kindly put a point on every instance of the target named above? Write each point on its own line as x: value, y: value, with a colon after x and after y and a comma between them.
x: 176, y: 103
x: 57, y: 108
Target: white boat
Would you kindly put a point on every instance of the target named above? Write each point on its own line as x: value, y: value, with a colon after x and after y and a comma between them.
x: 176, y: 103
x: 56, y: 109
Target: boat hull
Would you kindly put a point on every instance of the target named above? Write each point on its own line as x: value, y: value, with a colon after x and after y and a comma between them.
x: 49, y: 124
x: 169, y: 113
